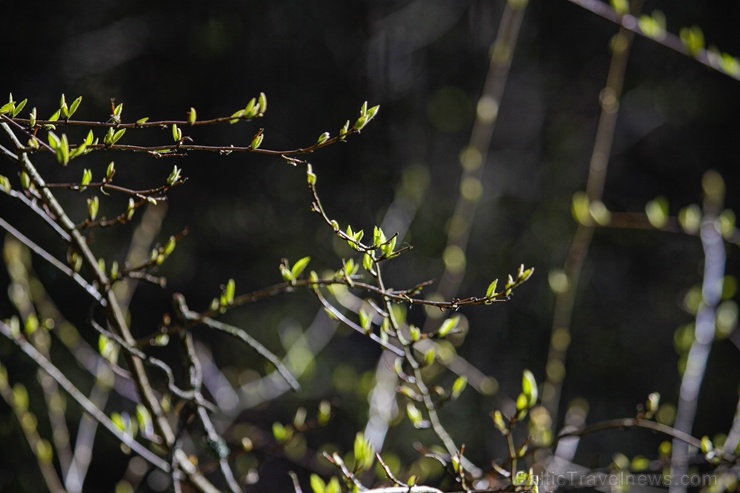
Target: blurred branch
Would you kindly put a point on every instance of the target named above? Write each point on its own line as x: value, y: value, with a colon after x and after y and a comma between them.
x: 564, y: 302
x: 40, y: 447
x: 631, y: 23
x: 91, y: 290
x: 115, y: 318
x: 80, y: 398
x: 696, y: 363
x: 474, y: 156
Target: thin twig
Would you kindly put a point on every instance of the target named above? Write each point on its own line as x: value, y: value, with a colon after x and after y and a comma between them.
x: 240, y: 334
x: 217, y: 443
x: 90, y: 289
x: 81, y: 399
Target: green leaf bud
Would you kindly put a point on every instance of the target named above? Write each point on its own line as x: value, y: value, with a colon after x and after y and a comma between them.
x: 92, y: 207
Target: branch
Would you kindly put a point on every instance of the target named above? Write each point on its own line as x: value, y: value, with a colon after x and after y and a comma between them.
x: 630, y: 423
x: 81, y: 399
x: 630, y: 23
x: 90, y: 289
x: 189, y: 316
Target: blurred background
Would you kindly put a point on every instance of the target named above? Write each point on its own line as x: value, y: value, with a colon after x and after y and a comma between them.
x: 424, y: 63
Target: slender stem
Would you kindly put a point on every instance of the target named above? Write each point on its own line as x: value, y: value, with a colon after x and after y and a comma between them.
x: 114, y: 315
x: 81, y: 399
x: 217, y: 442
x: 240, y: 334
x: 53, y: 261
x: 631, y: 423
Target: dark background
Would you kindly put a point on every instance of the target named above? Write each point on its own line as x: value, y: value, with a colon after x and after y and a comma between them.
x: 424, y: 62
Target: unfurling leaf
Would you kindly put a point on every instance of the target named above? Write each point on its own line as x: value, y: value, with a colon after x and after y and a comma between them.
x: 176, y: 133
x: 529, y: 388
x: 227, y: 295
x: 491, y: 291
x: 364, y: 453
x: 86, y: 179
x: 310, y: 176
x: 448, y: 326
x: 460, y: 383
x: 174, y: 176
x: 262, y: 101
x: 257, y: 140
x: 499, y: 422
x: 299, y: 267
x: 92, y: 207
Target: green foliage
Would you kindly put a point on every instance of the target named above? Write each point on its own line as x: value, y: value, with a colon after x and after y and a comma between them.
x: 353, y: 287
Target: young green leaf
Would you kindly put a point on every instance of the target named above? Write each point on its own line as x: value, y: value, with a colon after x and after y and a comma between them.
x: 429, y: 357
x: 414, y: 414
x: 5, y: 184
x: 192, y: 116
x: 378, y: 237
x: 19, y: 107
x: 262, y: 101
x: 238, y: 115
x: 25, y: 180
x: 286, y: 273
x: 92, y: 207
x: 73, y: 107
x: 174, y: 176
x: 491, y: 291
x: 86, y: 179
x: 499, y: 422
x: 317, y: 484
x: 364, y: 453
x: 529, y: 388
x: 448, y: 326
x: 343, y: 131
x: 249, y: 109
x: 7, y: 107
x: 227, y: 296
x: 64, y: 110
x: 300, y: 266
x: 310, y: 176
x: 367, y: 262
x: 257, y: 140
x: 130, y: 209
x: 460, y: 383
